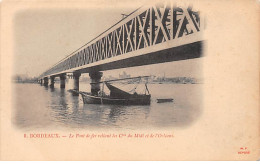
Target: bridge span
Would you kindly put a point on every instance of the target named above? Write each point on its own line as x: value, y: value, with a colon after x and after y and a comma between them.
x: 159, y: 33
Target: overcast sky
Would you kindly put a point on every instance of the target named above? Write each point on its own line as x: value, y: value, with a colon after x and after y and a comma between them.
x: 43, y: 37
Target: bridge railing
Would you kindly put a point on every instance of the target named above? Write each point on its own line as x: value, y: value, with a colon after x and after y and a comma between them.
x: 146, y: 27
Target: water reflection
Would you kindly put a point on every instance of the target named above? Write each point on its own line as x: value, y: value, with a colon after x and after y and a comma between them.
x: 46, y: 87
x: 52, y: 89
x: 59, y: 108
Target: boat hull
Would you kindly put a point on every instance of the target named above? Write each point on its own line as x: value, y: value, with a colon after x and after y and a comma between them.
x: 164, y: 100
x: 135, y: 100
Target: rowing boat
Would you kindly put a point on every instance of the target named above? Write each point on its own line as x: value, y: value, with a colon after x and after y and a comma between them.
x: 117, y: 96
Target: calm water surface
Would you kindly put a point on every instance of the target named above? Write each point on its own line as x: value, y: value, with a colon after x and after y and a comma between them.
x: 39, y: 107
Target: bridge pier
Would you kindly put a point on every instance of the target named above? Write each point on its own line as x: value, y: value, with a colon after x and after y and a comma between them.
x: 76, y: 76
x: 45, y: 81
x: 52, y: 81
x: 62, y: 80
x: 95, y: 79
x: 41, y: 81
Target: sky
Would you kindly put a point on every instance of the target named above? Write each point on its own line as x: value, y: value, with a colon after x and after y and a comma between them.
x: 45, y: 36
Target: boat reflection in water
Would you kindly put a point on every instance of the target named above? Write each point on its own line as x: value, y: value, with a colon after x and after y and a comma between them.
x: 59, y: 109
x: 117, y: 95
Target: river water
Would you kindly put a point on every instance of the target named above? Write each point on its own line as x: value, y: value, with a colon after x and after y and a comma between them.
x: 39, y: 107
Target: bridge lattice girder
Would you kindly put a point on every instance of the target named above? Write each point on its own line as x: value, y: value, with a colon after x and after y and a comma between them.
x: 144, y: 28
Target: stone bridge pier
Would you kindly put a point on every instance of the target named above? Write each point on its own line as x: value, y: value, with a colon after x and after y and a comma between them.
x: 76, y: 76
x: 45, y: 81
x: 62, y: 80
x: 52, y: 80
x: 95, y: 79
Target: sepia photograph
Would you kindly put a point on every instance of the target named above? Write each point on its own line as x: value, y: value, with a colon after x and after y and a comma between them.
x: 129, y: 80
x: 115, y: 68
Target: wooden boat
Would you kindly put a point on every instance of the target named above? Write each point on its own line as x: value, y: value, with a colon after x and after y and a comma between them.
x: 135, y: 100
x: 117, y: 96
